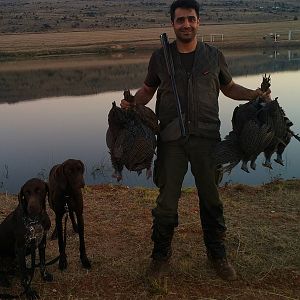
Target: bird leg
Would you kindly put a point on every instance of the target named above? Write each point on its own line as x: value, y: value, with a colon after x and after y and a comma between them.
x: 266, y: 83
x: 279, y: 159
x: 148, y: 173
x: 244, y: 166
x: 267, y: 163
x: 253, y: 164
x: 117, y: 175
x: 280, y: 149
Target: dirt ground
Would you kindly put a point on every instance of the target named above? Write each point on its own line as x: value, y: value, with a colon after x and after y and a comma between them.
x: 262, y: 242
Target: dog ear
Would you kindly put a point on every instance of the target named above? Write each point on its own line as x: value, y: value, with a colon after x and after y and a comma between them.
x: 46, y: 188
x: 82, y: 165
x: 60, y: 177
x: 47, y: 193
x: 22, y: 200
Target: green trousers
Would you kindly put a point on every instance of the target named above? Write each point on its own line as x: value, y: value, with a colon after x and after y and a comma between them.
x: 170, y: 168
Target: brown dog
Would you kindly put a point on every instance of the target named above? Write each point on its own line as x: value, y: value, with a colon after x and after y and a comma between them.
x: 65, y: 183
x: 26, y: 227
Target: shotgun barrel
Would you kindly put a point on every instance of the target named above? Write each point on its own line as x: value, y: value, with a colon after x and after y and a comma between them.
x: 170, y: 66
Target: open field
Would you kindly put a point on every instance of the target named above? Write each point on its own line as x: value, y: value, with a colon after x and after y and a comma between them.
x: 262, y: 241
x: 131, y: 40
x: 64, y: 15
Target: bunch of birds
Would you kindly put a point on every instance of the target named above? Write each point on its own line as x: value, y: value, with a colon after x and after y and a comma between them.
x: 257, y: 127
x: 131, y: 137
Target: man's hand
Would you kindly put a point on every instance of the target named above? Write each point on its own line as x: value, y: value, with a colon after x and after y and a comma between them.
x: 126, y: 105
x: 265, y: 96
x: 142, y: 96
x: 128, y: 101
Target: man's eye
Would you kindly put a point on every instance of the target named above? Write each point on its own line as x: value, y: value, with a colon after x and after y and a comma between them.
x: 180, y: 20
x: 192, y: 19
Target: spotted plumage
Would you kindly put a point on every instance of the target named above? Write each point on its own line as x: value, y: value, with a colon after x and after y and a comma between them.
x: 131, y: 138
x: 258, y: 127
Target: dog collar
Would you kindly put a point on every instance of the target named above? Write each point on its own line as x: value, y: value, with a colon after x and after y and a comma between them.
x: 34, y: 231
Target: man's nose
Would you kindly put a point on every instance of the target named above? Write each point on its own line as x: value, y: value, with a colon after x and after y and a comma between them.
x: 186, y: 22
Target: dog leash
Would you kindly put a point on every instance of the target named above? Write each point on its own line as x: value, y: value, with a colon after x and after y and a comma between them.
x: 32, y: 239
x: 54, y: 260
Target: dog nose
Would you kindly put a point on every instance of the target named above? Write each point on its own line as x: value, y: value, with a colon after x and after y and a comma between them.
x: 33, y: 208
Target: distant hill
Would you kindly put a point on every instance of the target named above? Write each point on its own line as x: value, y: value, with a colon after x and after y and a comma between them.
x: 47, y: 15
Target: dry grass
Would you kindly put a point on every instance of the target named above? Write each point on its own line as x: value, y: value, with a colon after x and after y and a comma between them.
x: 263, y: 244
x: 235, y: 35
x: 58, y: 16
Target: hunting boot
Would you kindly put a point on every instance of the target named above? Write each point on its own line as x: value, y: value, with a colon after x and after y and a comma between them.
x: 222, y: 267
x: 216, y: 254
x: 162, y: 250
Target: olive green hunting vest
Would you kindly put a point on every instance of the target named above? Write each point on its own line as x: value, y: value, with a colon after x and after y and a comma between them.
x: 202, y: 116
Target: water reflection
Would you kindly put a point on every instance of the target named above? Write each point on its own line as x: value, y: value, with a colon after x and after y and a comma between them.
x: 35, y: 135
x: 100, y: 74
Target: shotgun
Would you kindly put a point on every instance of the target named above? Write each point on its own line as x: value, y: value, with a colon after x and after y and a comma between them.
x: 170, y: 66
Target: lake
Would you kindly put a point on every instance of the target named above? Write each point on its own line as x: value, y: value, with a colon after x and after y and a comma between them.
x: 52, y: 110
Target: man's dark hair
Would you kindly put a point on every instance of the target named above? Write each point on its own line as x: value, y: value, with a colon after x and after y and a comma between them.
x: 184, y: 4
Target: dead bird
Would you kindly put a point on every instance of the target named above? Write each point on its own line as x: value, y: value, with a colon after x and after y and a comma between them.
x: 257, y: 127
x: 245, y: 142
x: 282, y: 136
x: 131, y: 138
x: 250, y: 135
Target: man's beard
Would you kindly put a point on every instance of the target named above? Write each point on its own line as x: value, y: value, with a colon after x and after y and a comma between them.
x: 185, y: 39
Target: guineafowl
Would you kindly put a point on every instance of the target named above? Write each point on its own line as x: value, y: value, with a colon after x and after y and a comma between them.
x: 257, y: 127
x: 282, y: 135
x: 250, y: 135
x: 131, y: 138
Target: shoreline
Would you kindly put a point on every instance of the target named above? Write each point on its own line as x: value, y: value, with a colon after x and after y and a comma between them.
x: 225, y: 36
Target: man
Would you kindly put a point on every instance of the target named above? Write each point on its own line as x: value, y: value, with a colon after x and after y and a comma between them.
x: 200, y: 73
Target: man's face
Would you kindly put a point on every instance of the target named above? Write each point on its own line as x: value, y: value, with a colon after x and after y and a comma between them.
x: 185, y: 24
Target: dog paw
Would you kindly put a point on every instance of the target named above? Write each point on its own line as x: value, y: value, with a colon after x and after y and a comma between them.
x: 63, y: 264
x: 85, y: 262
x: 32, y: 294
x: 47, y: 277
